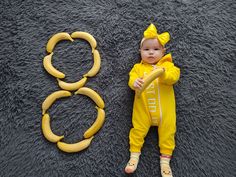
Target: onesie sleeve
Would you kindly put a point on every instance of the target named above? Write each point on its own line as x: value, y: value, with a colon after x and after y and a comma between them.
x: 171, y: 74
x: 133, y: 75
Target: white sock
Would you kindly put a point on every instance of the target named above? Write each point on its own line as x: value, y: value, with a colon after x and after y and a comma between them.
x: 133, y: 162
x: 165, y: 167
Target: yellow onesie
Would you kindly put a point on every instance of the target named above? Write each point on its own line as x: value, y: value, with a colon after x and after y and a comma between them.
x: 155, y: 106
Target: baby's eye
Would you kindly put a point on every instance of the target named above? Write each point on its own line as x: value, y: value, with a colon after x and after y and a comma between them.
x: 146, y: 49
x: 156, y: 49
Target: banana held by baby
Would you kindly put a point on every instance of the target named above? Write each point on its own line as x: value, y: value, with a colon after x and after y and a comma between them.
x: 76, y: 147
x: 96, y: 65
x: 88, y: 37
x: 93, y: 95
x: 47, y: 63
x: 47, y: 131
x: 55, y: 39
x: 149, y: 78
x: 72, y: 86
x: 53, y: 97
x: 97, y: 124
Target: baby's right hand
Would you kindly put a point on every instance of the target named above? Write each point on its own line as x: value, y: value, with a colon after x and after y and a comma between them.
x: 138, y: 83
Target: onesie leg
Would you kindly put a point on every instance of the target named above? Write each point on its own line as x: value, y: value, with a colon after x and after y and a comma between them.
x: 141, y: 124
x: 165, y: 166
x: 166, y: 133
x: 141, y: 121
x: 137, y: 136
x: 133, y: 162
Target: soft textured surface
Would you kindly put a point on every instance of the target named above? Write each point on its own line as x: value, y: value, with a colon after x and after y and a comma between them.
x: 202, y: 44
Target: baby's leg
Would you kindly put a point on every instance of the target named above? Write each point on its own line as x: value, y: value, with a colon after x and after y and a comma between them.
x: 166, y: 132
x: 136, y: 139
x: 136, y: 143
x: 141, y: 124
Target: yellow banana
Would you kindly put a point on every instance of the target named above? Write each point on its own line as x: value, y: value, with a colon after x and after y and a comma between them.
x: 53, y: 97
x: 86, y: 36
x: 72, y: 86
x: 76, y: 147
x: 93, y: 95
x: 148, y: 79
x: 47, y: 63
x: 47, y: 132
x: 96, y: 65
x: 55, y: 39
x: 97, y: 124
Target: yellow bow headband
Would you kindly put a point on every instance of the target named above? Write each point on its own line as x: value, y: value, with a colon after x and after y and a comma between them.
x: 151, y: 32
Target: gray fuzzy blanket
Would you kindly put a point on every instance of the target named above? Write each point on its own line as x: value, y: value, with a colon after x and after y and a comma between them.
x: 202, y: 44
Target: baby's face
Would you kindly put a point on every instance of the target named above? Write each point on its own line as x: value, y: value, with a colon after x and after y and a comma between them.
x: 151, y: 51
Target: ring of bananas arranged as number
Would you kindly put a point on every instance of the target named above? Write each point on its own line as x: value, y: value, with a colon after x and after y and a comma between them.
x: 78, y: 87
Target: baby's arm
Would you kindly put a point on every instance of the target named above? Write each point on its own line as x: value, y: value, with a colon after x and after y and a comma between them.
x: 171, y: 74
x: 135, y: 82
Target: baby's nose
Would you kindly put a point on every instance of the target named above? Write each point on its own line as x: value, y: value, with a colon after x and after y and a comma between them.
x: 151, y: 52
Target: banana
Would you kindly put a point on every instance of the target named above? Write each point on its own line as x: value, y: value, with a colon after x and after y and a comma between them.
x: 47, y: 63
x: 96, y: 65
x: 148, y: 79
x: 76, y: 147
x: 72, y: 86
x: 97, y: 124
x: 47, y: 132
x: 93, y: 95
x: 86, y: 36
x: 55, y: 39
x: 53, y: 97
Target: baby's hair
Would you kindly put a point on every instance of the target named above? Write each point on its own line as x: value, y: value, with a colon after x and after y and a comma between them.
x: 141, y: 43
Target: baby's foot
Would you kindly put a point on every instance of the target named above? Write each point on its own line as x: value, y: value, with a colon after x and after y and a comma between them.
x: 133, y: 163
x: 166, y: 171
x: 165, y: 167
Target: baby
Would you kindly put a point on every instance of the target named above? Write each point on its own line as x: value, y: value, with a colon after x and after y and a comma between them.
x: 156, y: 105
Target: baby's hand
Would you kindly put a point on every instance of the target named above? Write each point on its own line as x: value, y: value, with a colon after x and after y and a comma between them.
x: 138, y: 83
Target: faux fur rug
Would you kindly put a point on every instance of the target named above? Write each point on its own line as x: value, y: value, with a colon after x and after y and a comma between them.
x: 202, y: 44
